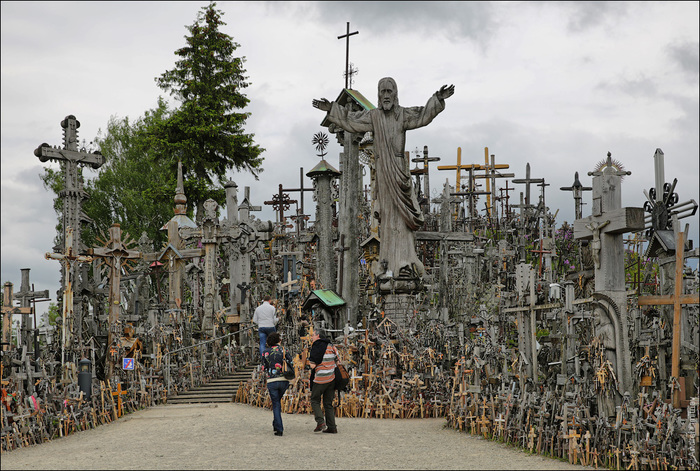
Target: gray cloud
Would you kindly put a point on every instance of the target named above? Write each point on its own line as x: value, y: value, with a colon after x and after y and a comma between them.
x: 584, y: 16
x: 450, y: 20
x: 639, y: 86
x: 686, y: 56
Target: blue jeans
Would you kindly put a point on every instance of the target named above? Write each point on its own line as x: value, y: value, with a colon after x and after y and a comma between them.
x: 276, y: 390
x: 263, y: 332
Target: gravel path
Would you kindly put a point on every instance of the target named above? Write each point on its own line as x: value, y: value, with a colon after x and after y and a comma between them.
x: 238, y: 436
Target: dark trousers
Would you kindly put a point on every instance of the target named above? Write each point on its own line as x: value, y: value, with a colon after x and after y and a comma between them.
x: 276, y: 390
x: 325, y: 392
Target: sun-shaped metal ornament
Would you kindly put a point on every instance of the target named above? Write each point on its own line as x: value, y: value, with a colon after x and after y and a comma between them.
x: 320, y: 140
x: 614, y: 163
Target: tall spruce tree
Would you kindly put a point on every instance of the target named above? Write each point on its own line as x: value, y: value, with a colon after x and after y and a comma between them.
x: 207, y: 131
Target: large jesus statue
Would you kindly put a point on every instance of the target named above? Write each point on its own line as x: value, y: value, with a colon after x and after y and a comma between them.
x: 399, y: 213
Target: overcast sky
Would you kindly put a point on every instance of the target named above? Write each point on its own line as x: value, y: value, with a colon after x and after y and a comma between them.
x: 557, y: 85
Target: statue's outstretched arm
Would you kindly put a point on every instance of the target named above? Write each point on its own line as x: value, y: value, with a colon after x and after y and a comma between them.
x: 446, y: 92
x: 322, y: 104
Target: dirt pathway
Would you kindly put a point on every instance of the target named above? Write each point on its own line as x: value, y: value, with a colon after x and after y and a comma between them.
x: 237, y: 436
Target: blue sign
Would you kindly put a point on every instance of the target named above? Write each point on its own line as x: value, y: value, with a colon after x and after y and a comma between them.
x: 127, y: 363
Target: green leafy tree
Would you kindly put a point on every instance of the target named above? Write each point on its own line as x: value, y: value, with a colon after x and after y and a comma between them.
x: 207, y: 131
x: 134, y: 187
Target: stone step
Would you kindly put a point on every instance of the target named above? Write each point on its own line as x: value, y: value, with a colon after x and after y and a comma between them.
x: 217, y: 390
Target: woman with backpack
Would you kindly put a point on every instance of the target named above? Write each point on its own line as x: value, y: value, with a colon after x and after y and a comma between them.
x: 275, y: 360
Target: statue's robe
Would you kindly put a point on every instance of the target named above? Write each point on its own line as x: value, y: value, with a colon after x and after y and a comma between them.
x: 399, y: 213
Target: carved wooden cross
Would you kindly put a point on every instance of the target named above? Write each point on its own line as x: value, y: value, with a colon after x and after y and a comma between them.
x: 115, y: 254
x: 70, y: 157
x: 67, y: 258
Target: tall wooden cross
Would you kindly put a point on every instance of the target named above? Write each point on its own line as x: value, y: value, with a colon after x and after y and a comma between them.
x: 68, y: 258
x: 491, y: 175
x: 347, y: 51
x: 677, y: 299
x: 459, y: 167
x: 70, y: 157
x: 528, y: 181
x: 115, y: 254
x: 426, y: 171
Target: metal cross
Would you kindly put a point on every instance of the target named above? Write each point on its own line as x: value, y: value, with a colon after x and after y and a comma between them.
x: 347, y: 51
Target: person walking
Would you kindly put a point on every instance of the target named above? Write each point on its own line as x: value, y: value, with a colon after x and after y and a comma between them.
x: 266, y: 319
x: 322, y: 360
x: 274, y: 357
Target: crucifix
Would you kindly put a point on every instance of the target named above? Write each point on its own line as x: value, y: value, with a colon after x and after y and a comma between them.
x: 70, y: 158
x: 68, y: 259
x: 115, y: 254
x: 577, y: 188
x: 347, y: 51
x: 606, y: 227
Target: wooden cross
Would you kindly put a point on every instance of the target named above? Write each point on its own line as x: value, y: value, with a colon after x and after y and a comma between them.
x: 280, y: 203
x: 577, y: 188
x: 528, y: 181
x: 459, y: 167
x: 677, y: 299
x: 70, y: 157
x: 27, y: 295
x: 425, y: 171
x: 491, y: 175
x: 68, y: 258
x: 174, y: 256
x: 347, y: 51
x: 115, y: 254
x: 506, y: 190
x: 8, y: 310
x: 541, y: 251
x: 119, y: 393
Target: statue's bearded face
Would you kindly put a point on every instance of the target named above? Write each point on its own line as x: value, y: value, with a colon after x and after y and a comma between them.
x: 387, y: 95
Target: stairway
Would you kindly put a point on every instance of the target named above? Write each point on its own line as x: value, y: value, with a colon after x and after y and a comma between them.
x: 217, y: 390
